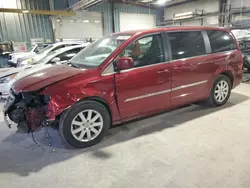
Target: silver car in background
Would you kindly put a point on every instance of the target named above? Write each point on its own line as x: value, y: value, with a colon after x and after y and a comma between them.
x: 9, y: 75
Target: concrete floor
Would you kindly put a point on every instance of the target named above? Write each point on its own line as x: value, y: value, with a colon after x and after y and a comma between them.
x: 190, y: 147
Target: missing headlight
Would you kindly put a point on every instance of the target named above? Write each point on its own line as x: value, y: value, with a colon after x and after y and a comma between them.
x: 30, y: 108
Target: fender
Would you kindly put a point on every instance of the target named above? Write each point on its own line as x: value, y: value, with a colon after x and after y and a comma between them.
x: 60, y: 102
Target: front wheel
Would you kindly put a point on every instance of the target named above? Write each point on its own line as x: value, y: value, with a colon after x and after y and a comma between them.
x: 85, y: 124
x: 221, y: 91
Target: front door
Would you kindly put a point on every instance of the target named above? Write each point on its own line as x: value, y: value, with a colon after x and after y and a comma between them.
x: 147, y: 86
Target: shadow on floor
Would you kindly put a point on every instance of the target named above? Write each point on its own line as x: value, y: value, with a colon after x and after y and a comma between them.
x: 19, y: 154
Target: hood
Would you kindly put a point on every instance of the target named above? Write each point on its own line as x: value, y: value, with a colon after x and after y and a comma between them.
x: 31, y: 70
x: 38, y: 57
x: 10, y: 71
x: 4, y: 70
x: 45, y: 77
x: 20, y: 54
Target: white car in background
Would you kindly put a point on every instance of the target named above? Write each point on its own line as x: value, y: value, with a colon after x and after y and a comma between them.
x: 43, y: 53
x: 9, y: 75
x: 37, y: 48
x: 241, y: 34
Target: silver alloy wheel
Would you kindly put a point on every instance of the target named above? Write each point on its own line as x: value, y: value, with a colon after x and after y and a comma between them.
x: 221, y: 91
x: 87, y: 125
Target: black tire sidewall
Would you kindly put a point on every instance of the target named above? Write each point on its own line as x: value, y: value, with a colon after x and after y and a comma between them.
x: 212, y: 97
x: 67, y: 118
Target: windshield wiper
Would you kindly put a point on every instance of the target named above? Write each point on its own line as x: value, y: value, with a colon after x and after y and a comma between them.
x: 72, y: 64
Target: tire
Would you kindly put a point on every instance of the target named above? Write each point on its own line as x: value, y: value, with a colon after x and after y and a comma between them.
x: 76, y: 114
x: 213, y: 99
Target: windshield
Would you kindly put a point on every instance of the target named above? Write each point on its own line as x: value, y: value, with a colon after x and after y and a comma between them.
x: 39, y: 47
x: 43, y: 50
x: 50, y: 56
x: 96, y: 53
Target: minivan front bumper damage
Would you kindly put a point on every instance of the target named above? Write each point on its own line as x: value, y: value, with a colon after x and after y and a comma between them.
x: 27, y: 108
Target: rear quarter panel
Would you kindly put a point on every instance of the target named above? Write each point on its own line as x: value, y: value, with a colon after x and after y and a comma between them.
x: 218, y: 63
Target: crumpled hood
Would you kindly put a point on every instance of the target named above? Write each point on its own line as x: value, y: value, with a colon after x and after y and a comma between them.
x: 45, y: 77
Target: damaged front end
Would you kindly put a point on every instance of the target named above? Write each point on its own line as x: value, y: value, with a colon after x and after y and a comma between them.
x: 26, y: 109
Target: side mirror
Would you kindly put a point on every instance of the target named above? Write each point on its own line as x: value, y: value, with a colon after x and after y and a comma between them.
x: 56, y: 60
x: 124, y: 63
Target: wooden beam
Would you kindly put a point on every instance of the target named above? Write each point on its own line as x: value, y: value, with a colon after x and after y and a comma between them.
x: 41, y: 12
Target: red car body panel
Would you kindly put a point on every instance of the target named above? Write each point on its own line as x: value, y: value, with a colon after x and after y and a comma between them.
x: 131, y: 87
x: 128, y: 93
x: 45, y: 77
x: 87, y: 84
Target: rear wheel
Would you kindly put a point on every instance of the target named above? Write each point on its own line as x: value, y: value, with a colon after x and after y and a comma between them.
x: 85, y: 124
x: 221, y: 91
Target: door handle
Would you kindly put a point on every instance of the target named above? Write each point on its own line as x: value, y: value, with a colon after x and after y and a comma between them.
x: 162, y: 71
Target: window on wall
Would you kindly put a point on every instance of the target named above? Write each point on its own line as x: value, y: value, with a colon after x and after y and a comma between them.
x: 186, y: 44
x: 145, y: 51
x: 220, y: 41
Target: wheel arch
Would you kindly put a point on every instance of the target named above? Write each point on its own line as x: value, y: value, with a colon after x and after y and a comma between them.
x: 229, y: 74
x: 101, y: 101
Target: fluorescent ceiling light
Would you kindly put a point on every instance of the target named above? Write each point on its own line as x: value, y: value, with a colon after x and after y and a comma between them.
x: 183, y: 17
x: 161, y: 2
x: 85, y: 21
x: 97, y: 21
x: 25, y: 11
x: 146, y: 1
x: 183, y: 14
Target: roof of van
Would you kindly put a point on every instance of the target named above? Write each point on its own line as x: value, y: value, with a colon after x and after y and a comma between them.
x: 170, y: 28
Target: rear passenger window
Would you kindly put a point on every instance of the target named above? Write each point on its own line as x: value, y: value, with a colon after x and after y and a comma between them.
x: 186, y: 44
x: 220, y: 41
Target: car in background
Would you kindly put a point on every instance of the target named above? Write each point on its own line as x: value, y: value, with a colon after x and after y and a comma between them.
x: 13, y: 57
x: 243, y: 37
x: 241, y: 34
x: 44, y: 52
x: 6, y: 48
x: 149, y: 72
x: 9, y: 75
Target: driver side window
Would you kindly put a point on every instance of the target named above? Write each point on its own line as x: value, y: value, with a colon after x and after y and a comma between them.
x: 145, y: 51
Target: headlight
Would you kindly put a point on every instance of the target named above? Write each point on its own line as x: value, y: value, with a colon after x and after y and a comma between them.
x: 7, y: 79
x: 30, y: 60
x: 26, y: 62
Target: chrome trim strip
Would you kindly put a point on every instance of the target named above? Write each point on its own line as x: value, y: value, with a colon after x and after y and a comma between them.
x: 189, y: 85
x: 148, y: 95
x: 165, y: 91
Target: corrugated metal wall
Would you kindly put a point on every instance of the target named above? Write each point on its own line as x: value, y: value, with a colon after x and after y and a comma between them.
x: 22, y: 27
x: 105, y: 8
x: 61, y: 4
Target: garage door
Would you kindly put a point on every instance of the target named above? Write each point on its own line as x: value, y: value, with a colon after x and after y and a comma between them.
x: 89, y: 25
x: 130, y: 21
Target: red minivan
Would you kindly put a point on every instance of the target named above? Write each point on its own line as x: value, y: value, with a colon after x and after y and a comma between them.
x: 128, y: 75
